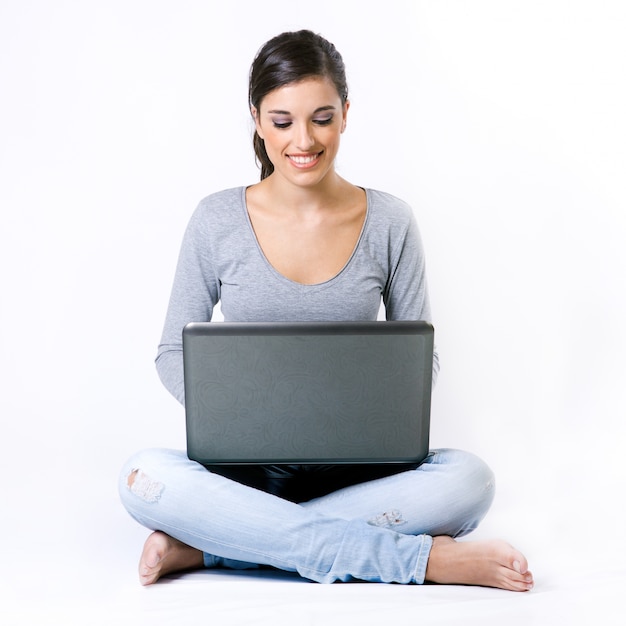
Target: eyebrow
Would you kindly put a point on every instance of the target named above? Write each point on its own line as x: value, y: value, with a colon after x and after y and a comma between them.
x: 329, y: 107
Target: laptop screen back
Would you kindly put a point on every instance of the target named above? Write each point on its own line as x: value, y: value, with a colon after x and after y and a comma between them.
x: 308, y: 392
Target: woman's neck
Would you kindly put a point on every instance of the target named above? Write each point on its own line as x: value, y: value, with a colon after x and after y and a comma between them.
x: 330, y: 192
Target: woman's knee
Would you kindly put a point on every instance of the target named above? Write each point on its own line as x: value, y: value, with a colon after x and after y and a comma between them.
x: 463, y: 466
x: 472, y: 487
x: 141, y: 478
x: 481, y: 481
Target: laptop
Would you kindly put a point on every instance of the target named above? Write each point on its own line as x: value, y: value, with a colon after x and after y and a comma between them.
x: 308, y: 392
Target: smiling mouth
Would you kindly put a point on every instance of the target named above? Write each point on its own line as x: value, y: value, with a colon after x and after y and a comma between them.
x: 304, y: 159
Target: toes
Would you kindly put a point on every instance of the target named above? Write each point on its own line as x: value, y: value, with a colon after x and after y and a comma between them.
x: 518, y: 582
x: 147, y: 575
x: 151, y: 559
x: 147, y: 580
x: 519, y: 563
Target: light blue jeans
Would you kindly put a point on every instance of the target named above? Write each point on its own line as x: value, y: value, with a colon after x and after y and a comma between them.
x: 380, y: 530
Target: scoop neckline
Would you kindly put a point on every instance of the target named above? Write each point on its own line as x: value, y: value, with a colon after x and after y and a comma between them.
x: 281, y: 276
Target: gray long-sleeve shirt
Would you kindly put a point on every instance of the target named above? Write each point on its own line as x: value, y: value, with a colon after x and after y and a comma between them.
x: 221, y: 261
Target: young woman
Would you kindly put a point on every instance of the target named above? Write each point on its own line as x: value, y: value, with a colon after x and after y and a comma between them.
x: 305, y: 244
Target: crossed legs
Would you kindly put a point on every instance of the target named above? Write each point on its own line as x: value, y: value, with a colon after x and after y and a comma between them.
x: 381, y: 530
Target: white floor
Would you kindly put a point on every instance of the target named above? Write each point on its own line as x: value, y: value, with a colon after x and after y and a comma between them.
x: 113, y: 597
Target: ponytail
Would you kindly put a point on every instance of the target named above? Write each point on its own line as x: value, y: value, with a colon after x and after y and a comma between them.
x: 262, y: 160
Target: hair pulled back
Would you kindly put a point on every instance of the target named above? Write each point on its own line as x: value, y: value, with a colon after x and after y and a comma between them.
x: 289, y: 58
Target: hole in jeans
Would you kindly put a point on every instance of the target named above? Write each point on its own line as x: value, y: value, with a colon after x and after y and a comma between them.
x: 144, y: 487
x: 389, y: 519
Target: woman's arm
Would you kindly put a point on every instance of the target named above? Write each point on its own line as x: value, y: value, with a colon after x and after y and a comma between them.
x: 194, y: 294
x: 406, y: 293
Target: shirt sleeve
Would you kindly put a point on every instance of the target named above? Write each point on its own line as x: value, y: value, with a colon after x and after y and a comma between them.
x: 406, y: 293
x: 194, y: 294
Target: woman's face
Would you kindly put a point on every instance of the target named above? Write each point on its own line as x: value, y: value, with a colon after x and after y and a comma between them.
x: 301, y: 124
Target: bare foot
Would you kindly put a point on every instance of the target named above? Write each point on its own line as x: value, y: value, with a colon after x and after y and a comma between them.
x: 486, y: 563
x: 163, y: 555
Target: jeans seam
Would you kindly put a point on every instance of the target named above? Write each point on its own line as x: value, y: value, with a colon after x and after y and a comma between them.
x: 422, y: 559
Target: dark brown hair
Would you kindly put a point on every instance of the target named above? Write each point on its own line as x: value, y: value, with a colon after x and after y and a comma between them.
x: 290, y: 58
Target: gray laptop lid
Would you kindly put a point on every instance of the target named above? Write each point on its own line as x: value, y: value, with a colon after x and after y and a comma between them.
x: 340, y: 392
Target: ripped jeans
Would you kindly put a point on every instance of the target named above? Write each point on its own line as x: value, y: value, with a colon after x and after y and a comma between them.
x: 380, y: 530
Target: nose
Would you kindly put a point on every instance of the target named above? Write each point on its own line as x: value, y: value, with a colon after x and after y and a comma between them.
x: 304, y: 137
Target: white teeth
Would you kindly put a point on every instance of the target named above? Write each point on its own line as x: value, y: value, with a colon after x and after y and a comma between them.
x: 303, y: 160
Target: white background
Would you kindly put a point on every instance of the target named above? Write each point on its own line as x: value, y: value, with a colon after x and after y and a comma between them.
x: 501, y: 122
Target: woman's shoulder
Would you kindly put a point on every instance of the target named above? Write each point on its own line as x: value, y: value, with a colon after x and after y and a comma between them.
x: 387, y: 207
x: 219, y: 208
x: 223, y: 201
x: 217, y: 216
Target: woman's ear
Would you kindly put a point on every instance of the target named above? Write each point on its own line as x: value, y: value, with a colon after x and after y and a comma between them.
x: 255, y: 116
x: 346, y: 106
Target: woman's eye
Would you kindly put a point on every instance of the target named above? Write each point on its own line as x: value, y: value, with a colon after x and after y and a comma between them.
x: 283, y: 124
